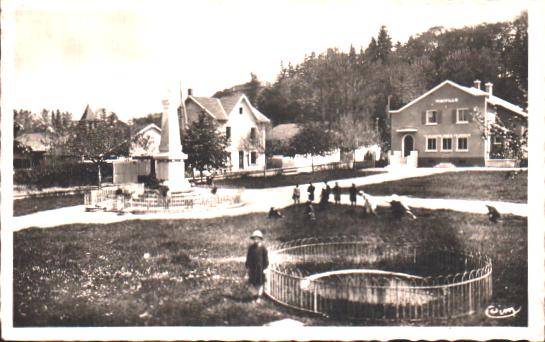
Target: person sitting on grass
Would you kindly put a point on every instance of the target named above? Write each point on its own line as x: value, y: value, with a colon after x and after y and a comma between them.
x: 493, y: 214
x: 257, y: 261
x: 337, y: 193
x: 275, y: 213
x: 353, y: 192
x: 214, y: 190
x: 309, y: 211
x: 400, y: 209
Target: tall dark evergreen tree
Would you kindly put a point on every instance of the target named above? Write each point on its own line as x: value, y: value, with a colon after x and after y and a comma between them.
x: 384, y: 45
x: 205, y: 146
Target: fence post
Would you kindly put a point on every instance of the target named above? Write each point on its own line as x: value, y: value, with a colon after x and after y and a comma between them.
x: 314, y: 288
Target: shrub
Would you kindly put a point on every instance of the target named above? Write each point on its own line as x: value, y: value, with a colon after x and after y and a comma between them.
x: 52, y: 173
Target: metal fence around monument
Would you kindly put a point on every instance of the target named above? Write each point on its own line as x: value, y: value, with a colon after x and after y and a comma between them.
x: 349, y: 278
x: 152, y: 201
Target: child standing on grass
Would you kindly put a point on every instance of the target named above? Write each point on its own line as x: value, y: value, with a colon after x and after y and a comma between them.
x: 296, y: 194
x: 310, y: 191
x: 369, y: 205
x: 257, y: 261
x: 337, y: 193
x: 353, y: 192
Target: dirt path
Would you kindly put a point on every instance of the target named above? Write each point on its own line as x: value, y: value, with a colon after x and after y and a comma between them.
x: 260, y: 201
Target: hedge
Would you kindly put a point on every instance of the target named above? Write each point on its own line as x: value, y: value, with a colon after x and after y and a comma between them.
x: 61, y: 174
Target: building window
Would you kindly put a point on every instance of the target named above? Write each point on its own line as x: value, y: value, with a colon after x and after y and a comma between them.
x: 253, y: 157
x: 240, y: 110
x: 431, y: 117
x: 447, y: 144
x: 253, y: 133
x: 496, y: 140
x: 462, y: 115
x: 462, y: 144
x: 431, y: 144
x: 228, y: 132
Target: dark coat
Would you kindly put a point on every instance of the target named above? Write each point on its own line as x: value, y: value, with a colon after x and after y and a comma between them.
x: 310, y: 191
x: 257, y: 260
x: 337, y: 192
x: 353, y: 193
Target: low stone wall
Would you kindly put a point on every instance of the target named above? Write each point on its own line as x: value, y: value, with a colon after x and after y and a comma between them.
x: 501, y: 163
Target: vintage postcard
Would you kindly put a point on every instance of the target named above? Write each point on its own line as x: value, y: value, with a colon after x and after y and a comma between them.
x: 272, y: 170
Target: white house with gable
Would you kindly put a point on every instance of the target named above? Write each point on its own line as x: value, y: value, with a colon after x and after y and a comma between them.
x: 241, y: 122
x: 146, y: 141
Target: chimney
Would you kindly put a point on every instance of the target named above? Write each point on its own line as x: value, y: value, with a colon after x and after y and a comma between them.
x: 488, y: 87
x: 477, y: 84
x: 189, y: 92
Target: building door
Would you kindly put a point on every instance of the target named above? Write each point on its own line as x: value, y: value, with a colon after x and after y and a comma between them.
x: 408, y: 145
x: 241, y: 159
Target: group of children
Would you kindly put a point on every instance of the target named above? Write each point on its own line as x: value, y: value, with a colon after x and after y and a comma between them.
x: 369, y: 205
x: 398, y: 208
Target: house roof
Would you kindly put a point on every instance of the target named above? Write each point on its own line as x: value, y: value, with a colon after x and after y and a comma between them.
x: 212, y: 105
x: 219, y: 108
x: 492, y: 99
x: 88, y: 114
x: 283, y: 131
x: 37, y: 142
x: 149, y: 127
x: 260, y: 116
x: 229, y: 102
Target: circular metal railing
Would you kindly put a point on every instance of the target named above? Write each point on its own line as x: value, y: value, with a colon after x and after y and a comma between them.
x: 350, y: 278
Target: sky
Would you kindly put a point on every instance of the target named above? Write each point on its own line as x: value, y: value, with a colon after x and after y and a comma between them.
x: 126, y: 55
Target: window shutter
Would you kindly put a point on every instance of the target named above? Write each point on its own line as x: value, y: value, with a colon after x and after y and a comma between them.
x: 423, y: 117
x: 454, y: 116
x: 439, y: 116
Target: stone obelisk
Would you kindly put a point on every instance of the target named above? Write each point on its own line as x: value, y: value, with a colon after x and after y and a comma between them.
x: 170, y: 159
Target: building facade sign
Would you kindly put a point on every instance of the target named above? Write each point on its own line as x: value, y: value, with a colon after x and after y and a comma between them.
x: 453, y: 100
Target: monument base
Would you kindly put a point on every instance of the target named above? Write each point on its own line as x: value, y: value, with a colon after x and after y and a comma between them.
x: 172, y: 173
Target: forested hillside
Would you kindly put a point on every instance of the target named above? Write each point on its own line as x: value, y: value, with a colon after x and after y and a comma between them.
x: 334, y: 84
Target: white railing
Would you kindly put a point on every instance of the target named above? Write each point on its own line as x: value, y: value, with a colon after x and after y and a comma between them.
x: 112, y: 199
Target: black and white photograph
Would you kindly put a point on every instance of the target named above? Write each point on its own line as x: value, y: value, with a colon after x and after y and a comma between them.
x: 272, y: 170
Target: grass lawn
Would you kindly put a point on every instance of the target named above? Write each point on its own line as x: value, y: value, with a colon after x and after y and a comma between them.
x: 289, y: 180
x: 31, y: 205
x: 483, y: 185
x: 190, y: 272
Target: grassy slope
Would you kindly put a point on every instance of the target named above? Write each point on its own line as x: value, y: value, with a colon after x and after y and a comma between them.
x: 493, y: 185
x: 97, y: 274
x: 300, y: 178
x: 31, y: 205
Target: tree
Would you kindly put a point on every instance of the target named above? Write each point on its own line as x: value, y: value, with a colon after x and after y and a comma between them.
x: 512, y: 135
x: 18, y: 127
x: 351, y: 133
x: 384, y: 45
x: 314, y: 139
x: 98, y: 140
x: 252, y: 89
x: 205, y: 146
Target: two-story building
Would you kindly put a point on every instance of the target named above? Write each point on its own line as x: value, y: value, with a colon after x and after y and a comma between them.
x: 240, y: 121
x: 450, y: 124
